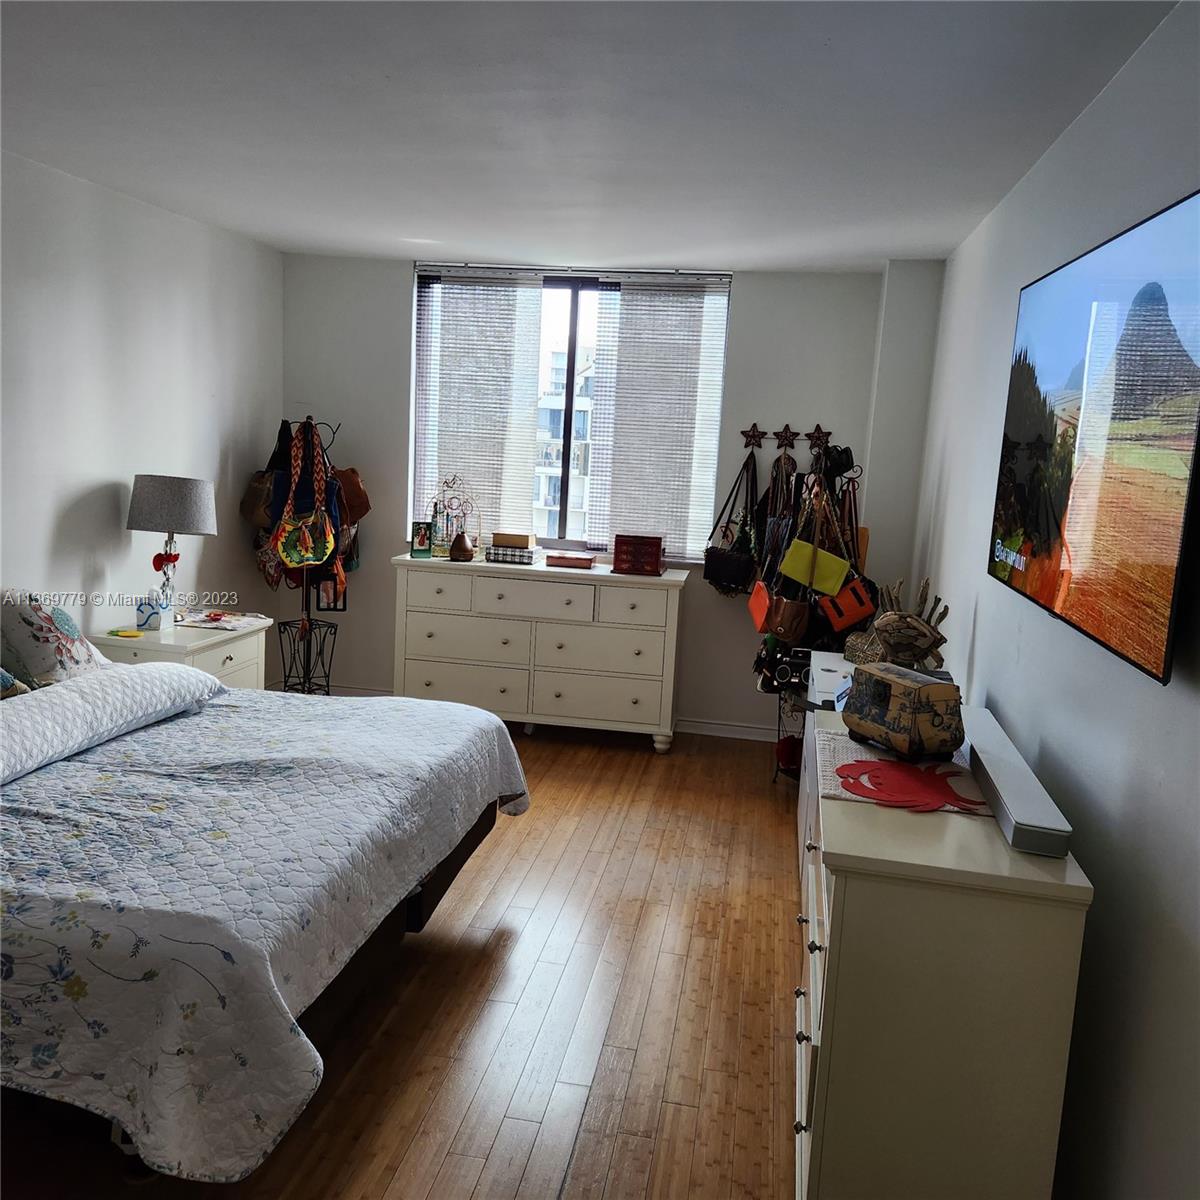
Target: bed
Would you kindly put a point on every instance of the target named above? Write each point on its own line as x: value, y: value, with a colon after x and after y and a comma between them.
x: 187, y: 867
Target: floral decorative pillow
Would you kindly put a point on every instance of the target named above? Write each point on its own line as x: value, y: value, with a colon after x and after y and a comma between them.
x: 10, y: 685
x: 42, y: 643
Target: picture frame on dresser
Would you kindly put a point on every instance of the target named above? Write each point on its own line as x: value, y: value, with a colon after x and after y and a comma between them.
x: 541, y: 644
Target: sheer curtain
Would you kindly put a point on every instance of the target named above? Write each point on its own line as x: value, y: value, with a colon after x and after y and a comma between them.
x: 659, y: 363
x: 476, y: 393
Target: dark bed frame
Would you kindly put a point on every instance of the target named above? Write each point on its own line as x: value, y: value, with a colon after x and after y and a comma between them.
x: 419, y: 904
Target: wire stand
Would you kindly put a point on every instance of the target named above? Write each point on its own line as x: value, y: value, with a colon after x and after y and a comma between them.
x: 306, y: 647
x: 788, y: 723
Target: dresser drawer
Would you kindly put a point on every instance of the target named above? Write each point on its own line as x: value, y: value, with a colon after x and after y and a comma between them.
x: 231, y: 656
x: 447, y: 635
x: 597, y: 648
x: 241, y: 677
x: 439, y: 589
x: 535, y: 598
x: 597, y: 697
x: 632, y: 606
x: 500, y: 689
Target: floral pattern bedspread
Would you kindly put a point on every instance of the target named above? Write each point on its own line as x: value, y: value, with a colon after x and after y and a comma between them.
x: 175, y: 897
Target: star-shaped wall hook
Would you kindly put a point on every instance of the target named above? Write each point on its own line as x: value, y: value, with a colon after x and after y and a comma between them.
x: 754, y: 436
x: 818, y: 438
x: 785, y: 439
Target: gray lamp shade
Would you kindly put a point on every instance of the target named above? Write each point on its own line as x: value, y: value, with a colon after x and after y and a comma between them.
x: 171, y: 504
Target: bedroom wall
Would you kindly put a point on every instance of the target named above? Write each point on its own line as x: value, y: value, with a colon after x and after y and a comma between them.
x: 134, y: 340
x: 1117, y: 751
x: 801, y: 349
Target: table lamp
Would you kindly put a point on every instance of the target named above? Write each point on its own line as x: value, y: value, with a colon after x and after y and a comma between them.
x: 171, y: 504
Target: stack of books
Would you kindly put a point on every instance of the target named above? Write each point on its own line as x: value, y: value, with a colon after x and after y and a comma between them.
x: 519, y: 548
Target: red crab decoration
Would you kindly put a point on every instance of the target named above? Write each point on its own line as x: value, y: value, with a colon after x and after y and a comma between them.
x: 161, y: 560
x: 921, y: 788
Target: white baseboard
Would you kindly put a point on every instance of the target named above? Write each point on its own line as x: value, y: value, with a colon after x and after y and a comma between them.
x: 728, y: 729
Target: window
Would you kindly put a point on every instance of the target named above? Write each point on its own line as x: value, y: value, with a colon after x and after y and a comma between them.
x: 606, y: 390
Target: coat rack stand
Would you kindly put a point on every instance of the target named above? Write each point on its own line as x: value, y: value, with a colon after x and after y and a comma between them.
x: 306, y: 647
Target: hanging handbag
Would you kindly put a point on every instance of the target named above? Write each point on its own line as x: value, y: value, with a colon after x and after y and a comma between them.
x: 729, y: 564
x: 850, y: 607
x: 354, y: 495
x: 256, y: 500
x: 788, y: 619
x: 808, y: 563
x: 308, y: 539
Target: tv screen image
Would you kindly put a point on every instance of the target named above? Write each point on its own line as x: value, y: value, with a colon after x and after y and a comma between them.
x: 1100, y: 434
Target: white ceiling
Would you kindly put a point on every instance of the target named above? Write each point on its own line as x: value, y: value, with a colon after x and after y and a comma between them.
x: 738, y: 135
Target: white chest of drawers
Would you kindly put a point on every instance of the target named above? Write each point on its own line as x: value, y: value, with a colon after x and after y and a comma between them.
x: 236, y: 657
x: 541, y: 644
x: 934, y: 1011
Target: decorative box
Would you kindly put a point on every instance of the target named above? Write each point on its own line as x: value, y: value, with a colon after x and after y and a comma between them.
x: 636, y: 555
x: 913, y: 715
x: 513, y: 554
x: 514, y: 541
x: 584, y: 562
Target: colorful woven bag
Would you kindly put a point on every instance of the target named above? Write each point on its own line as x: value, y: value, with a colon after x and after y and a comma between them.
x: 308, y: 539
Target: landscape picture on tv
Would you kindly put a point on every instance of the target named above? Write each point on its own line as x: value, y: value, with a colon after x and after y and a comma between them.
x: 1100, y: 435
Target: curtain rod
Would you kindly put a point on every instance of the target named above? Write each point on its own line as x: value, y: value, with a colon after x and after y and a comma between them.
x: 590, y: 272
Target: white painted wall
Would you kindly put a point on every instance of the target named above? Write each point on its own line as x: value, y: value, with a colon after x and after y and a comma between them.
x: 134, y: 340
x: 347, y: 357
x: 1119, y: 753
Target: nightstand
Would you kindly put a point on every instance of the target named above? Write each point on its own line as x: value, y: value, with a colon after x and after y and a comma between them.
x: 236, y: 657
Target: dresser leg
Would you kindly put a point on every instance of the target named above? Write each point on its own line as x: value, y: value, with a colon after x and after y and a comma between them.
x: 662, y: 742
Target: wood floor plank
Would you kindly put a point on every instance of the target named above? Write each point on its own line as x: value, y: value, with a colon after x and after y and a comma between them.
x: 712, y: 1159
x: 541, y: 1072
x: 481, y: 1121
x: 551, y: 1152
x: 629, y: 1168
x: 625, y: 1025
x: 587, y: 1175
x: 575, y: 907
x: 675, y: 1141
x: 607, y: 1096
x: 649, y: 1073
x: 506, y: 1162
x: 686, y: 1065
x: 457, y: 1178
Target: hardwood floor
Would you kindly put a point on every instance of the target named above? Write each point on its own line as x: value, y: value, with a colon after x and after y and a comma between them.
x: 600, y: 1007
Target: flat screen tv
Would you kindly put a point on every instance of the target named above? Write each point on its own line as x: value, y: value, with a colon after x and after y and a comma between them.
x: 1100, y: 434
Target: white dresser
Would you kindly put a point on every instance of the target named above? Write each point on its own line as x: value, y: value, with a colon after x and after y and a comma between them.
x: 553, y: 645
x: 934, y: 1013
x: 236, y: 657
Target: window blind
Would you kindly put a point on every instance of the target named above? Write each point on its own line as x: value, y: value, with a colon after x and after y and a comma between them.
x: 644, y: 449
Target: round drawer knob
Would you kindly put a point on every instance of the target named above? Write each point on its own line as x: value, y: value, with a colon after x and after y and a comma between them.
x: 568, y: 602
x: 815, y: 947
x: 633, y: 606
x: 799, y: 992
x: 504, y: 641
x: 499, y: 595
x: 637, y: 654
x: 558, y: 695
x: 558, y: 646
x: 135, y: 654
x: 437, y: 591
x: 227, y: 659
x: 503, y: 690
x: 429, y: 683
x: 634, y: 700
x: 429, y: 635
x: 802, y: 1037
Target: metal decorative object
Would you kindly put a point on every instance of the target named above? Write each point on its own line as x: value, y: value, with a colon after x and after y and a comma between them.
x: 451, y: 512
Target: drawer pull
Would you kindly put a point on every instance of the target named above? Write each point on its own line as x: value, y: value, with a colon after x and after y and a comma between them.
x: 815, y: 947
x: 558, y: 695
x: 504, y: 641
x: 430, y: 634
x: 800, y: 1128
x: 803, y: 1037
x: 801, y: 919
x: 559, y: 646
x: 632, y: 606
x: 135, y: 654
x: 637, y: 654
x: 437, y: 591
x: 227, y: 659
x: 634, y: 700
x: 799, y: 992
x: 499, y: 595
x: 429, y: 683
x: 503, y: 690
x: 811, y: 846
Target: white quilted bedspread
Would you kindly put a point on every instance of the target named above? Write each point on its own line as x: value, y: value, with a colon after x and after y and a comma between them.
x: 174, y: 897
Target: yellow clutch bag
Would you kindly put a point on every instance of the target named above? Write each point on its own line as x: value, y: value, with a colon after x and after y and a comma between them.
x: 818, y: 569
